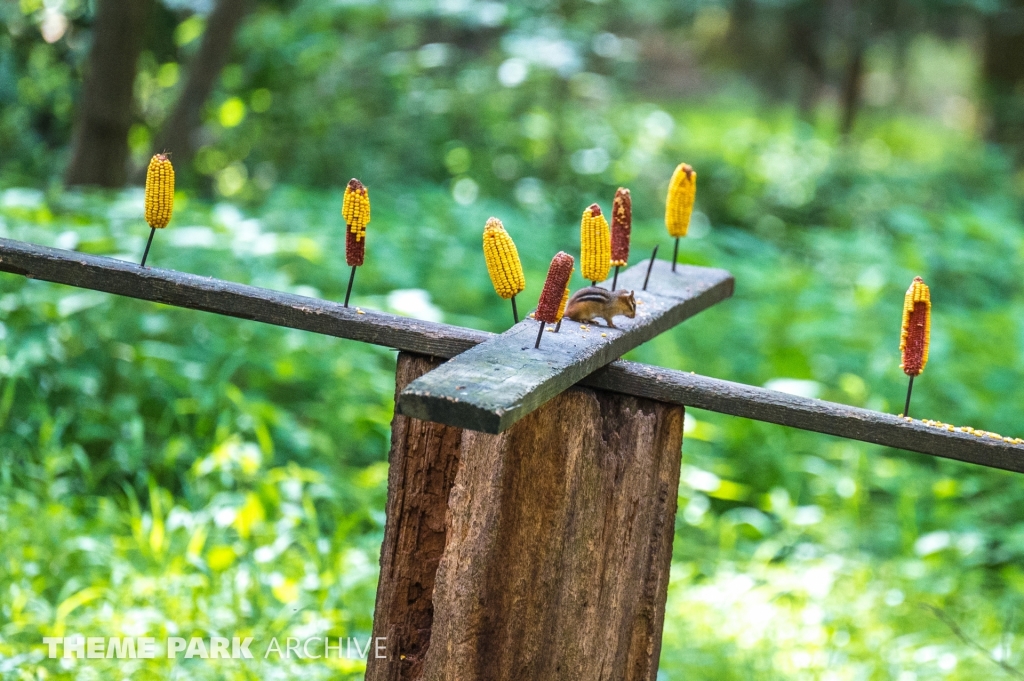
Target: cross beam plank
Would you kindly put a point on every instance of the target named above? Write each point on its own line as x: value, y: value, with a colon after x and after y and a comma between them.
x: 192, y: 291
x: 443, y: 340
x: 505, y: 378
x: 771, y: 406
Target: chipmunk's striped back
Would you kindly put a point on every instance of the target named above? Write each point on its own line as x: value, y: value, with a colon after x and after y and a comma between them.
x: 591, y: 294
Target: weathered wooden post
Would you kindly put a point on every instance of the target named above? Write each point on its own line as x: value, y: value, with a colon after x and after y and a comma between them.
x: 539, y: 549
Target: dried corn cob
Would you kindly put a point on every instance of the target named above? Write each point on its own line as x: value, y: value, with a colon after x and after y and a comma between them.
x: 159, y: 191
x: 355, y: 208
x: 550, y: 304
x: 915, y: 333
x: 917, y: 326
x: 159, y: 199
x: 561, y: 305
x: 565, y: 298
x: 595, y: 245
x: 682, y: 189
x: 502, y: 260
x: 622, y: 224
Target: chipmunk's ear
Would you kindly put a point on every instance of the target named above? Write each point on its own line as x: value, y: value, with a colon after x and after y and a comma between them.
x: 631, y: 295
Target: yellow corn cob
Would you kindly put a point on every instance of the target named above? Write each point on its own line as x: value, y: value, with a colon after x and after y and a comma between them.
x: 565, y: 297
x: 917, y: 327
x: 502, y: 260
x: 682, y: 189
x: 356, y: 208
x: 159, y: 191
x: 595, y: 244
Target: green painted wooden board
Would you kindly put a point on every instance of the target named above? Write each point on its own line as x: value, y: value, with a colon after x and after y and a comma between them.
x: 498, y: 382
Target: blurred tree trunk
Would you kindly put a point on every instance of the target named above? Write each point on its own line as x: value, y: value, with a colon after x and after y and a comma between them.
x: 1003, y: 70
x: 178, y: 133
x: 100, y: 154
x: 855, y: 18
x: 853, y: 80
x: 804, y: 28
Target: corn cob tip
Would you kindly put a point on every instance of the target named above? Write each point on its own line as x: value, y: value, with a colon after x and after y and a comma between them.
x: 356, y: 186
x: 594, y: 210
x: 502, y: 258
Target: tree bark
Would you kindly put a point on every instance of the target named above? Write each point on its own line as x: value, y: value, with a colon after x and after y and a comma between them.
x: 423, y: 461
x: 557, y: 543
x: 100, y: 154
x: 178, y: 133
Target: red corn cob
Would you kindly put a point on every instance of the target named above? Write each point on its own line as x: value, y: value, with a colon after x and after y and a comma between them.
x: 622, y: 224
x: 554, y: 287
x: 917, y: 326
x: 356, y: 211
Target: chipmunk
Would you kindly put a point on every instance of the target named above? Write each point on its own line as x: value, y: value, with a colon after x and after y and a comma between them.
x: 594, y: 302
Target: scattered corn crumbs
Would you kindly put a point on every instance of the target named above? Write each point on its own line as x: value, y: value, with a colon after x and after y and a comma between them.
x: 969, y: 430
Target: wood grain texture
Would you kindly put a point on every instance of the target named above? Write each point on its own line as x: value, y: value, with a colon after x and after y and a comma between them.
x: 559, y: 541
x: 443, y: 340
x: 498, y: 382
x: 423, y: 461
x: 761, y: 404
x: 235, y: 300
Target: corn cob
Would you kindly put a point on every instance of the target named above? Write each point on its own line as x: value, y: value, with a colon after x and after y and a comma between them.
x: 917, y: 326
x: 682, y: 189
x: 595, y: 245
x: 622, y: 224
x: 565, y: 299
x: 549, y: 308
x: 355, y: 208
x: 159, y: 191
x: 502, y: 260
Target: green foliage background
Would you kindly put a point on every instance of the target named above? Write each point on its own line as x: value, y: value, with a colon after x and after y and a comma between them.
x: 174, y: 473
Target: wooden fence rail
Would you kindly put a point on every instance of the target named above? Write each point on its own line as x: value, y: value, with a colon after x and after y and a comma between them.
x: 441, y: 340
